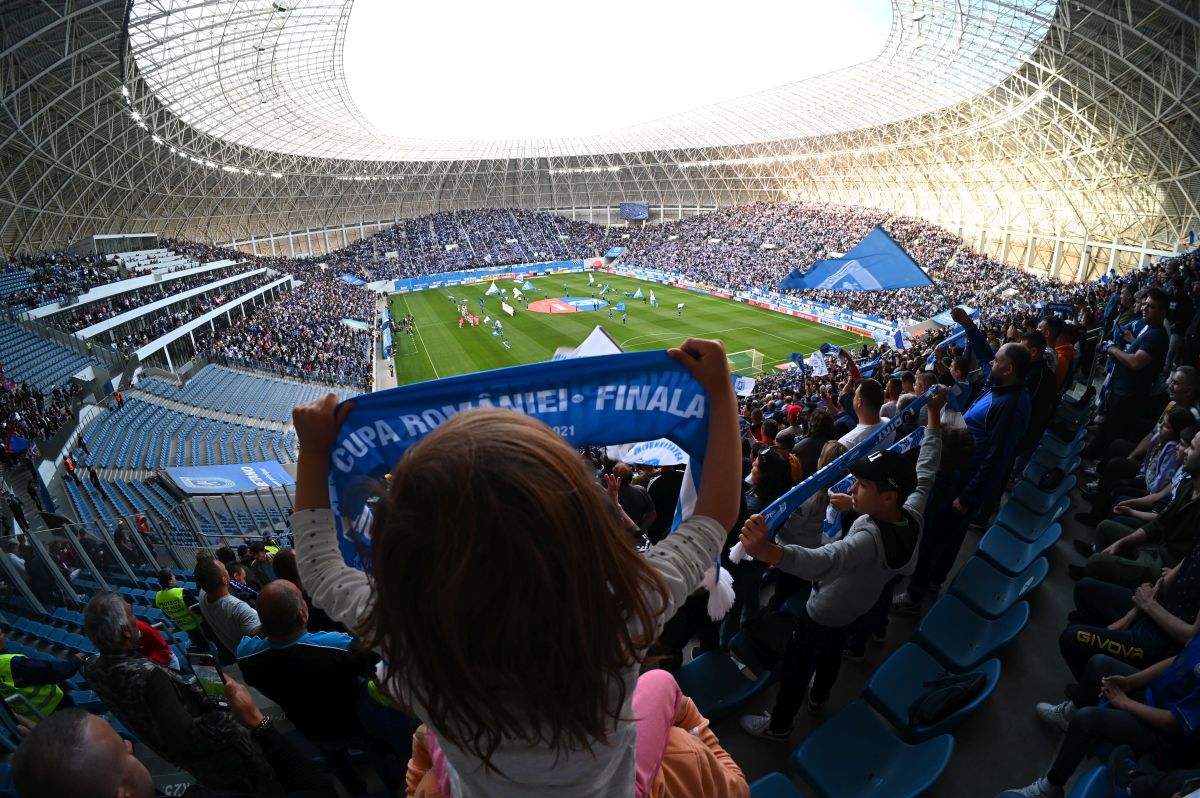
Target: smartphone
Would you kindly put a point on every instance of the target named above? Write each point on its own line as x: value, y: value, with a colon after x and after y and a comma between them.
x: 208, y: 675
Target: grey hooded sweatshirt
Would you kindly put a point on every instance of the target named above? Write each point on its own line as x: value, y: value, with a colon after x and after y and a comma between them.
x: 849, y: 574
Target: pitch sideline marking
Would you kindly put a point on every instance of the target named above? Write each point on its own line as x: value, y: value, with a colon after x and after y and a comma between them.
x: 422, y: 340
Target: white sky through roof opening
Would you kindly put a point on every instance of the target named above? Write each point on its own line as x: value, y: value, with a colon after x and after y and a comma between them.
x: 461, y: 69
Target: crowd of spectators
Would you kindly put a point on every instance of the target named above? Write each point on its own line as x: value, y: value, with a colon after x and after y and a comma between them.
x: 57, y: 275
x: 145, y: 329
x: 27, y: 413
x: 302, y: 333
x: 1132, y: 643
x: 76, y: 319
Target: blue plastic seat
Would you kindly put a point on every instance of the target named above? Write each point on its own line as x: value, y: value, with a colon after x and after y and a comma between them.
x: 991, y: 592
x: 775, y: 785
x: 87, y: 699
x: 855, y: 755
x: 961, y: 638
x: 1011, y: 554
x: 1093, y: 784
x: 1051, y: 458
x: 1036, y: 470
x: 1060, y: 448
x: 900, y: 680
x: 1021, y: 521
x: 717, y: 685
x: 1041, y: 501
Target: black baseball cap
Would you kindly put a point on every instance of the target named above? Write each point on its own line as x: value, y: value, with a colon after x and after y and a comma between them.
x: 888, y: 470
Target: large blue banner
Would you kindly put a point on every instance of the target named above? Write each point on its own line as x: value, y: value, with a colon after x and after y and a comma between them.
x: 243, y: 478
x: 592, y: 401
x: 877, y: 263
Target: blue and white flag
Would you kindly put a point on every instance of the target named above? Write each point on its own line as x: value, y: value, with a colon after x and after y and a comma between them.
x: 621, y: 306
x: 830, y: 349
x: 481, y: 305
x: 899, y: 341
x: 816, y: 364
x: 638, y: 294
x: 653, y: 301
x: 594, y: 401
x: 798, y: 359
x: 493, y: 290
x: 516, y: 295
x: 591, y: 279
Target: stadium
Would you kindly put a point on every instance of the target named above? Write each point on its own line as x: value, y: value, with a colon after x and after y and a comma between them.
x: 948, y: 249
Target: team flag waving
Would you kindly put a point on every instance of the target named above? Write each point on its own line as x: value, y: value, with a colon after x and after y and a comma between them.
x: 816, y: 364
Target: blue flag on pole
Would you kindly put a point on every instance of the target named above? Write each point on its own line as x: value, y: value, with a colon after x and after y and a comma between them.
x: 591, y: 401
x: 620, y: 306
x: 877, y: 263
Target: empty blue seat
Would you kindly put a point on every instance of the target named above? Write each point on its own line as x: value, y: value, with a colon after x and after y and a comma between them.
x: 775, y: 785
x: 1038, y: 500
x: 1004, y: 549
x: 961, y: 638
x: 855, y: 755
x: 1036, y: 470
x: 717, y: 685
x: 900, y: 680
x: 1060, y: 448
x: 990, y: 592
x: 1021, y: 521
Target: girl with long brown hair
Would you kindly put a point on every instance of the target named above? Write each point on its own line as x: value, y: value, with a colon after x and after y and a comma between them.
x: 510, y: 607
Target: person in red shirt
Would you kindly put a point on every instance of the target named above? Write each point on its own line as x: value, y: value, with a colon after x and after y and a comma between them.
x: 154, y: 647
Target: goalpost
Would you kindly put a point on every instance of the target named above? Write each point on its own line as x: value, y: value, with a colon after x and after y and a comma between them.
x: 746, y: 363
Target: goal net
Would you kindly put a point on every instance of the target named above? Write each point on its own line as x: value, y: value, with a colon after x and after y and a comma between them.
x: 746, y: 363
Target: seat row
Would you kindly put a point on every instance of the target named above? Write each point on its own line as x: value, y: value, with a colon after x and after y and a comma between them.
x: 984, y: 609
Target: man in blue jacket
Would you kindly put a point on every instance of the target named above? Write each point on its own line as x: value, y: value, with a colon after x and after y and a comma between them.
x: 996, y: 420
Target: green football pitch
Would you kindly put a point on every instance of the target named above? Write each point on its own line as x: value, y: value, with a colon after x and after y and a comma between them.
x: 440, y: 349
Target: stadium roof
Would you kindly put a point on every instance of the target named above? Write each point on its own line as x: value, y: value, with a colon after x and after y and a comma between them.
x: 270, y: 75
x: 230, y: 119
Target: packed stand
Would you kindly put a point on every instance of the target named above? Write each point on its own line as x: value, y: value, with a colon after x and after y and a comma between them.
x: 58, y: 275
x: 302, y: 334
x: 281, y: 614
x: 146, y: 329
x: 96, y: 312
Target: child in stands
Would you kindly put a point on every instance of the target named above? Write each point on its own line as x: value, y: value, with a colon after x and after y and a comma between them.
x: 849, y: 574
x: 512, y: 610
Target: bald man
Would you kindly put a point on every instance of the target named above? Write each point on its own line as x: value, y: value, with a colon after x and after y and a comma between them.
x: 319, y: 679
x: 75, y: 753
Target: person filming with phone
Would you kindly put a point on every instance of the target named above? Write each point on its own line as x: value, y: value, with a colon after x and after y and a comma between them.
x: 178, y: 721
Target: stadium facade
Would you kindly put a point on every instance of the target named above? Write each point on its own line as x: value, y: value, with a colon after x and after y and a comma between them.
x: 1064, y: 136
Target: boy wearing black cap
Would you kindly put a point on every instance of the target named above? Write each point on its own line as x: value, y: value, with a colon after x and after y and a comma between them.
x: 849, y: 574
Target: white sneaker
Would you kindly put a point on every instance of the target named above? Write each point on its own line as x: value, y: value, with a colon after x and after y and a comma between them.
x: 1057, y: 715
x: 760, y: 726
x: 1042, y: 788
